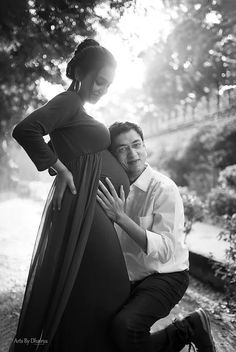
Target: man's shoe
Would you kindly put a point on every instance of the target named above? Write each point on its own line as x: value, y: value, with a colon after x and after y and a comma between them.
x: 196, y: 328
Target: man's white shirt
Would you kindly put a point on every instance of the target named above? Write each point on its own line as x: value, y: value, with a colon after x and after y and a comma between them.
x: 155, y: 204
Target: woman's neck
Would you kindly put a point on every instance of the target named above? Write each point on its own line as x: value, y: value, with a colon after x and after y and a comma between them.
x: 71, y: 89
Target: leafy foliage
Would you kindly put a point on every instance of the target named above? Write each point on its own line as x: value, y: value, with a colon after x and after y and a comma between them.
x: 198, y: 56
x: 36, y: 36
x: 222, y: 206
x: 210, y: 150
x: 224, y: 149
x: 229, y: 235
x: 221, y: 201
x: 193, y: 208
x: 227, y: 177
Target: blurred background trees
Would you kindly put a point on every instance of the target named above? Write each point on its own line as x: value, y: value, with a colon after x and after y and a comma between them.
x: 189, y: 71
x: 198, y: 58
x: 189, y: 75
x: 183, y: 93
x: 36, y: 36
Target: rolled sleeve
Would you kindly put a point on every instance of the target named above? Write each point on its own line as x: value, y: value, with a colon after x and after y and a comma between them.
x: 159, y: 246
x: 160, y: 237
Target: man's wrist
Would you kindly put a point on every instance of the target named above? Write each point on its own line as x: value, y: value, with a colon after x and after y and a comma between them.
x: 137, y: 233
x: 121, y: 219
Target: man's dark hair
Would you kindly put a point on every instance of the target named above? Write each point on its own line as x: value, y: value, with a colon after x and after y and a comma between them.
x: 120, y: 127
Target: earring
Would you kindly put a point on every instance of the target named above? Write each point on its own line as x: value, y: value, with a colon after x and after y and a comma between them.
x: 77, y: 85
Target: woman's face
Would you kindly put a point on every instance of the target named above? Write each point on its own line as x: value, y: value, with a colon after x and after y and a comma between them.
x: 92, y: 89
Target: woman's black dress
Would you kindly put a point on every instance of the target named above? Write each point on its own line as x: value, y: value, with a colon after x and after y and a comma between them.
x: 77, y: 279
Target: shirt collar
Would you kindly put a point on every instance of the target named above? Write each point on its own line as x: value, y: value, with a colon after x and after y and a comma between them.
x: 144, y: 179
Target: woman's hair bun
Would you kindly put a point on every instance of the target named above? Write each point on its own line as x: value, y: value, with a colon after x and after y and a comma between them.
x: 85, y: 44
x: 88, y: 56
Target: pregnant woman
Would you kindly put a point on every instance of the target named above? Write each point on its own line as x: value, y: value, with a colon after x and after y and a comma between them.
x: 77, y: 279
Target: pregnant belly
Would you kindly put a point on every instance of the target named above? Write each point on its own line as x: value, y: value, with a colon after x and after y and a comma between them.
x: 112, y: 169
x: 103, y: 275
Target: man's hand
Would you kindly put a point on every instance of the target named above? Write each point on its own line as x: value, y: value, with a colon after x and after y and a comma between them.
x: 109, y: 200
x: 114, y: 208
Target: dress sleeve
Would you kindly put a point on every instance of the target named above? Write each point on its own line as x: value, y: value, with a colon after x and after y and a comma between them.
x: 29, y: 133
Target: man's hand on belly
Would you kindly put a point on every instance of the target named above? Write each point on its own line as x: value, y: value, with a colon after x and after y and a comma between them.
x: 109, y: 200
x: 113, y: 205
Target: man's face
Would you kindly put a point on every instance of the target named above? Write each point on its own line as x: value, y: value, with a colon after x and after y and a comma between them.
x: 130, y: 151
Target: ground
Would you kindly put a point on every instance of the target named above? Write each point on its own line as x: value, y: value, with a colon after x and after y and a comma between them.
x: 18, y: 227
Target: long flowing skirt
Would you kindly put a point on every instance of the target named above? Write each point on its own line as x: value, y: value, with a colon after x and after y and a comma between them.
x: 77, y: 279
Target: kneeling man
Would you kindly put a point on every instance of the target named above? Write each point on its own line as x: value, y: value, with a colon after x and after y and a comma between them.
x: 150, y: 226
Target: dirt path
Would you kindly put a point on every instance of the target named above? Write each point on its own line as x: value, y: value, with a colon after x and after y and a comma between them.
x: 19, y: 221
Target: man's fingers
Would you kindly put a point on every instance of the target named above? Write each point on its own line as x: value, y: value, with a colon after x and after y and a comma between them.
x: 101, y: 202
x: 122, y: 193
x: 111, y: 187
x: 105, y: 191
x: 103, y: 197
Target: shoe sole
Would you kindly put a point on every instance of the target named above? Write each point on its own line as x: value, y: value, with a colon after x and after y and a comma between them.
x: 207, y: 326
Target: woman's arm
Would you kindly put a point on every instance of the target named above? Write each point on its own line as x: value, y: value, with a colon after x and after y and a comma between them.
x: 29, y: 134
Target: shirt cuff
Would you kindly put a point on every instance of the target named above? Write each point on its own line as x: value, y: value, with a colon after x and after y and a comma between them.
x: 158, y: 247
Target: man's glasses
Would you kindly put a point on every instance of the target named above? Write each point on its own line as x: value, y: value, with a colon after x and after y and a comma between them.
x: 124, y: 149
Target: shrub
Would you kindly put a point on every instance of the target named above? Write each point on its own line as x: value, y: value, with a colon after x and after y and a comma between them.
x: 195, y: 157
x: 227, y: 177
x: 222, y: 206
x: 211, y: 149
x: 201, y: 181
x: 175, y: 166
x: 221, y: 201
x: 193, y: 208
x: 229, y: 235
x: 224, y: 149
